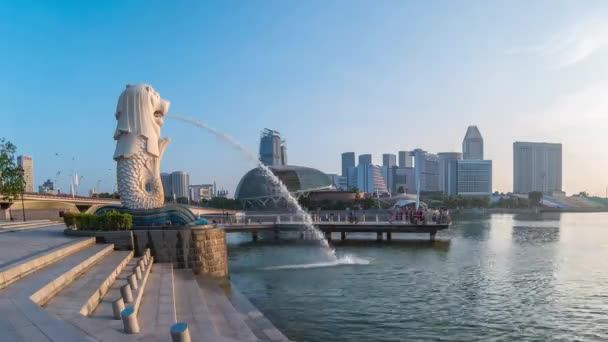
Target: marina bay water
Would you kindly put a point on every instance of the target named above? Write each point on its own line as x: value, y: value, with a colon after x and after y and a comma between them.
x: 500, y: 277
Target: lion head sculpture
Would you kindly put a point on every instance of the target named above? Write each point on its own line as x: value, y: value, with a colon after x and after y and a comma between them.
x: 139, y: 113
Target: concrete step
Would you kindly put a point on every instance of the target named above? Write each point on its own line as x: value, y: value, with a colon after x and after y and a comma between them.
x: 208, y: 317
x: 101, y: 323
x: 83, y: 295
x: 28, y: 225
x: 257, y: 322
x: 157, y: 313
x: 16, y: 270
x: 21, y: 223
x: 191, y: 306
x: 21, y: 300
x: 225, y: 317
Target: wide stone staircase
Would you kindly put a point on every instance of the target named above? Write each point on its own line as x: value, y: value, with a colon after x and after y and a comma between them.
x: 15, y: 226
x: 76, y: 291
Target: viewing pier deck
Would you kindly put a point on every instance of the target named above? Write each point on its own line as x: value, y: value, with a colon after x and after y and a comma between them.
x: 295, y: 223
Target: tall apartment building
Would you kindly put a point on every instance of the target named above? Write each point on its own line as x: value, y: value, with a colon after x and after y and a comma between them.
x: 474, y: 177
x: 273, y: 150
x: 365, y: 159
x: 348, y: 160
x: 27, y: 164
x: 444, y: 161
x: 426, y: 168
x: 370, y: 179
x: 180, y: 181
x: 405, y: 159
x: 537, y: 167
x: 389, y: 160
x: 472, y: 144
x: 165, y: 179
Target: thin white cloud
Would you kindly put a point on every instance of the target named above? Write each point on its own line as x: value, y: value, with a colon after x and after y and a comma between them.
x: 571, y: 46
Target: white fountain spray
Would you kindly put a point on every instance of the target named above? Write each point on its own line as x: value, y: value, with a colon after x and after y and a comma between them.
x: 307, y: 219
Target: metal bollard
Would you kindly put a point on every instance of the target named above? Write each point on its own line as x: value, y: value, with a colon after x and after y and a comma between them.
x: 138, y: 272
x: 180, y: 332
x: 117, y: 306
x: 125, y: 292
x: 129, y: 320
x: 132, y: 279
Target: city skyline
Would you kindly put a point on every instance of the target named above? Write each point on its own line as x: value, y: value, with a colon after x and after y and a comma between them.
x: 320, y: 85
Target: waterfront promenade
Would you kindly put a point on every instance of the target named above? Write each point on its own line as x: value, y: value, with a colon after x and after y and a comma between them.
x: 59, y: 288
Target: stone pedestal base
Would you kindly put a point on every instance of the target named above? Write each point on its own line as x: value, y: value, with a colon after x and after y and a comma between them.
x: 209, y: 252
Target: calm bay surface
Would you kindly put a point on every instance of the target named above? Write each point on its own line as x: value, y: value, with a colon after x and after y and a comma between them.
x: 501, y: 277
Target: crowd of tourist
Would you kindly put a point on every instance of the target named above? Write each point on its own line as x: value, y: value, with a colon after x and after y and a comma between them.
x: 419, y: 216
x: 407, y: 214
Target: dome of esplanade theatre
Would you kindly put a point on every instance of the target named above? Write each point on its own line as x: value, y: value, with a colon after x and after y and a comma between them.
x: 299, y: 180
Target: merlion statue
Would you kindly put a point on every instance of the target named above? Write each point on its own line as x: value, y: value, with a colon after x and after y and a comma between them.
x: 139, y: 148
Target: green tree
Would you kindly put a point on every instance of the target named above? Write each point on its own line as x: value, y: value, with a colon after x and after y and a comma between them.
x: 535, y: 197
x: 12, y: 182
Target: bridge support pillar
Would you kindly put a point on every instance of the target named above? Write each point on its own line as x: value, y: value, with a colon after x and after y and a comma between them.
x: 343, y: 236
x: 377, y: 219
x: 278, y: 218
x: 328, y: 236
x: 254, y: 236
x: 388, y: 236
x: 432, y: 235
x: 379, y: 236
x: 338, y: 217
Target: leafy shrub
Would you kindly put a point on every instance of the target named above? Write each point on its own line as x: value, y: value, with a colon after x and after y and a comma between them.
x: 69, y: 219
x: 109, y: 221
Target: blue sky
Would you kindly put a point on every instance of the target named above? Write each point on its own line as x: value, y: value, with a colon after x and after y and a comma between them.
x: 331, y: 76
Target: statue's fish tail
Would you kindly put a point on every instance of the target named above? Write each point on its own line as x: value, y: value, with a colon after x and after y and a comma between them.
x: 138, y: 186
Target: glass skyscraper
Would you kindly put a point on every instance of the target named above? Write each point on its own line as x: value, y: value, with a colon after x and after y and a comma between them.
x: 273, y: 151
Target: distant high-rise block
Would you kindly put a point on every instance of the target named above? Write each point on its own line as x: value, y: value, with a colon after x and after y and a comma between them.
x: 472, y: 145
x: 273, y: 151
x: 426, y: 166
x: 27, y: 164
x: 474, y: 177
x: 348, y: 160
x: 180, y: 181
x: 165, y: 179
x: 402, y: 181
x: 405, y: 159
x: 370, y: 179
x: 537, y: 167
x: 389, y: 160
x: 201, y: 192
x: 351, y: 178
x: 444, y: 159
x: 365, y: 159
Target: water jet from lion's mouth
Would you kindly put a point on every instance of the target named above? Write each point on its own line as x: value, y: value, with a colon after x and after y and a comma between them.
x: 318, y: 235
